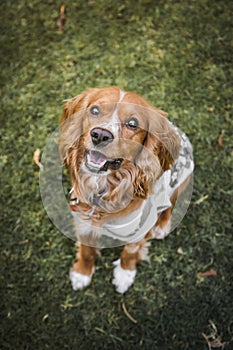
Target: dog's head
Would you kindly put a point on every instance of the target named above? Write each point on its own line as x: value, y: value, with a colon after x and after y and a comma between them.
x: 116, y: 145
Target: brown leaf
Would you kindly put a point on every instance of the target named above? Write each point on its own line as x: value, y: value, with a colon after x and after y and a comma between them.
x: 61, y: 19
x: 208, y: 273
x: 220, y: 140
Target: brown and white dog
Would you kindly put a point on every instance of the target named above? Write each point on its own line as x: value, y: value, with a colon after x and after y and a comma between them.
x: 116, y: 147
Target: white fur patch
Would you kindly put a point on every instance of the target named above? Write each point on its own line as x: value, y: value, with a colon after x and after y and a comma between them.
x: 79, y: 281
x: 114, y: 122
x: 161, y: 232
x: 122, y: 94
x: 123, y: 279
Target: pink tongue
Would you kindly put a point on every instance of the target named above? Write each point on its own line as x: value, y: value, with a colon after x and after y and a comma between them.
x: 97, y: 157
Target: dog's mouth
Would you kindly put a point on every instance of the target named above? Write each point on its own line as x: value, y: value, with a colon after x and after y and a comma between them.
x: 97, y: 162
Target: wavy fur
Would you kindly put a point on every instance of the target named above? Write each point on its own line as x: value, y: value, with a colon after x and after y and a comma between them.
x: 113, y: 192
x: 146, y: 150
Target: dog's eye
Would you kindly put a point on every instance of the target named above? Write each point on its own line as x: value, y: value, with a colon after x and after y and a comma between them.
x: 95, y: 111
x: 132, y: 123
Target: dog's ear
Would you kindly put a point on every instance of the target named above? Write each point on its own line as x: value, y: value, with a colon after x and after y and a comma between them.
x: 162, y: 139
x: 160, y: 148
x: 71, y: 107
x: 150, y: 167
x: 71, y: 124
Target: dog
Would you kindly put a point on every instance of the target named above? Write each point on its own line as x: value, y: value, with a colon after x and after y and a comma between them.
x: 127, y: 164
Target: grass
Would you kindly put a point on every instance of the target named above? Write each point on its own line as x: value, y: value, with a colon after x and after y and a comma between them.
x: 177, y: 54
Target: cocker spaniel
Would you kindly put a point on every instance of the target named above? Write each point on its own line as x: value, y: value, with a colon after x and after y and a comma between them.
x: 128, y: 164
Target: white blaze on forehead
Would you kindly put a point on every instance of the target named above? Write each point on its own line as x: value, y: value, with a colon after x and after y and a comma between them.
x: 114, y: 122
x: 122, y: 94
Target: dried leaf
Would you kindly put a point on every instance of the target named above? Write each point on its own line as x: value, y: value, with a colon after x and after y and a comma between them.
x: 214, y: 340
x: 220, y: 140
x: 202, y: 199
x: 128, y: 315
x: 62, y: 19
x: 36, y: 158
x: 180, y: 251
x: 208, y: 273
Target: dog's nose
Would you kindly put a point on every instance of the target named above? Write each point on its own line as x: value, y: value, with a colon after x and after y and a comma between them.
x: 101, y: 136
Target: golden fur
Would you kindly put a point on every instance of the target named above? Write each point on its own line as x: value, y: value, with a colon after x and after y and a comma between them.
x: 147, y: 151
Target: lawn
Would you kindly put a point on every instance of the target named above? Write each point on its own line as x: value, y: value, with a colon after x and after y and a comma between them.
x: 178, y: 55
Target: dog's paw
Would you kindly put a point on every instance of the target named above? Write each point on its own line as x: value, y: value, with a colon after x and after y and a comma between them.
x: 159, y: 232
x: 79, y: 281
x: 123, y: 279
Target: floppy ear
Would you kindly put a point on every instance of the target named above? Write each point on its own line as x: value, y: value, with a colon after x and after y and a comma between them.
x: 76, y: 104
x: 160, y: 148
x: 150, y: 167
x: 162, y: 139
x: 71, y: 107
x: 71, y: 124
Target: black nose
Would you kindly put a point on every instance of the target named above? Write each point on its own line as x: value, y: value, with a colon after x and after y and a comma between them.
x: 101, y: 136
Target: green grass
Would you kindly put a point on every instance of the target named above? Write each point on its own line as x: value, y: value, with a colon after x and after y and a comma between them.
x: 177, y: 54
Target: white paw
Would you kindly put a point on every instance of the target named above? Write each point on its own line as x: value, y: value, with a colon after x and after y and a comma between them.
x: 161, y: 232
x: 123, y: 279
x: 79, y: 281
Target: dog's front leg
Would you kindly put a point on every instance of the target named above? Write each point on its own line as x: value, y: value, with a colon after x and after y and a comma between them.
x: 126, y: 267
x: 83, y: 269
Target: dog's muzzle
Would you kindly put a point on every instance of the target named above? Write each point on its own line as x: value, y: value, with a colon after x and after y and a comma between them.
x: 97, y: 162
